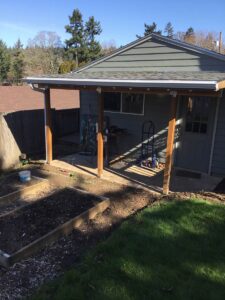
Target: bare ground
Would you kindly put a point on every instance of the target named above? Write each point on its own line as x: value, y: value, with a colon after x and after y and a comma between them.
x: 24, y: 277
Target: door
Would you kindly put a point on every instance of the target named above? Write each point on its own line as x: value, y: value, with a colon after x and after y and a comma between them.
x: 195, y: 133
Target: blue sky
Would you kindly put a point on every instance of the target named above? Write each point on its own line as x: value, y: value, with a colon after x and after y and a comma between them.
x: 121, y: 20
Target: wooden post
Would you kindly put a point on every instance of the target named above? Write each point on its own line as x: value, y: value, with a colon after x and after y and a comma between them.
x: 100, y: 134
x: 48, y: 127
x: 170, y: 143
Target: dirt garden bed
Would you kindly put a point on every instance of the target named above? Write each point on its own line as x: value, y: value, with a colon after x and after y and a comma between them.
x: 25, y: 230
x: 22, y: 278
x: 11, y: 188
x: 11, y: 183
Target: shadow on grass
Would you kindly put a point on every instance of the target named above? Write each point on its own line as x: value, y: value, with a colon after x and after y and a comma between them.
x: 168, y: 251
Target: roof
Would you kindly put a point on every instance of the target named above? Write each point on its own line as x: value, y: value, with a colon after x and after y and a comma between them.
x: 198, y: 80
x: 158, y: 37
x: 17, y: 98
x: 90, y: 76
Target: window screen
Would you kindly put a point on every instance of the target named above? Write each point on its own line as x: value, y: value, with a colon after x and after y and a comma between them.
x: 112, y: 101
x: 197, y: 114
x: 133, y: 103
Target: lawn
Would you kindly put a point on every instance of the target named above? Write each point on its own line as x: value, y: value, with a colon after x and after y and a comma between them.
x: 171, y: 250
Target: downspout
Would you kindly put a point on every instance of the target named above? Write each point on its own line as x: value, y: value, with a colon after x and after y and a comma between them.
x: 214, y: 134
x: 41, y: 90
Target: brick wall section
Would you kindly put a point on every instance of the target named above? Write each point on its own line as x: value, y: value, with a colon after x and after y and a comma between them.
x: 18, y: 98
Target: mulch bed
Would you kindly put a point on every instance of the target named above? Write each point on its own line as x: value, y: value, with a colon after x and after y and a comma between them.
x: 11, y: 183
x: 29, y: 223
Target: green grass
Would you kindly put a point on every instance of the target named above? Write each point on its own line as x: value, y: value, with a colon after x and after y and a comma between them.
x: 174, y: 250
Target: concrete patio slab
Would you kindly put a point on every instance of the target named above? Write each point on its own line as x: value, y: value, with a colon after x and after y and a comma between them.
x: 134, y: 175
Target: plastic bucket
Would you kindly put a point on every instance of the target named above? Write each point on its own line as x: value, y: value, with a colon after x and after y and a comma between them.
x: 25, y: 176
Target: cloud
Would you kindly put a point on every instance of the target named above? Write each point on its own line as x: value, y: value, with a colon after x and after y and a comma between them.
x: 17, y: 28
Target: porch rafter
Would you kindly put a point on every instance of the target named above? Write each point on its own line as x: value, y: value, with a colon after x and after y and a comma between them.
x: 151, y: 91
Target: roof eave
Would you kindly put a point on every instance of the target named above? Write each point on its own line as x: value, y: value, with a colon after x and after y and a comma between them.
x: 173, y: 84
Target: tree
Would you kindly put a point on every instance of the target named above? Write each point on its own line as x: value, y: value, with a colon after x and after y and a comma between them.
x: 169, y: 30
x: 4, y: 61
x: 17, y: 65
x: 190, y: 35
x: 67, y: 66
x: 152, y: 28
x: 82, y: 46
x: 44, y: 53
x: 45, y: 39
x: 108, y: 47
x: 93, y: 47
x: 75, y: 45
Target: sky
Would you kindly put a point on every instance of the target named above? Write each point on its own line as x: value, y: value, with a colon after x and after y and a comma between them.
x: 121, y: 20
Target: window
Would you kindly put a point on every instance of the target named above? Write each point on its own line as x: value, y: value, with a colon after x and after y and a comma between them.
x: 112, y: 101
x: 133, y: 103
x: 197, y: 114
x: 124, y: 103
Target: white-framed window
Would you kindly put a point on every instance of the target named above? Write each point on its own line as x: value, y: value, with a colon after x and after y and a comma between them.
x: 126, y: 103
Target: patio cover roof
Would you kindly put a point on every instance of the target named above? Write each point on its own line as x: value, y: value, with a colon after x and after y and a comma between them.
x: 213, y: 81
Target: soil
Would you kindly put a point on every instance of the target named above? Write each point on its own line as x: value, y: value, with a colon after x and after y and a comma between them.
x: 22, y: 279
x: 28, y: 223
x: 11, y: 183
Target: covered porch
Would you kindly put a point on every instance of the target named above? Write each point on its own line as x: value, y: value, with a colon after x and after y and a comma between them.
x: 161, y: 180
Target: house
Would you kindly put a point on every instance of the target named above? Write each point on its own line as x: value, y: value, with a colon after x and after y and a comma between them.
x: 177, y: 86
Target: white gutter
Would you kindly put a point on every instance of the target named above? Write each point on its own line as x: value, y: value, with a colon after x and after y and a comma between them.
x: 201, y: 84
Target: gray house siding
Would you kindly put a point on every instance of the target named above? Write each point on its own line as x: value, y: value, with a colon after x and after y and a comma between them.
x: 154, y: 55
x: 218, y: 162
x: 155, y: 109
x: 159, y: 56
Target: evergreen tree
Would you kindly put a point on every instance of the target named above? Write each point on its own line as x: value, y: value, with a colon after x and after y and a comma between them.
x: 92, y: 29
x: 189, y: 32
x: 190, y: 35
x: 169, y: 30
x: 76, y: 44
x: 152, y: 28
x: 17, y: 67
x: 4, y: 61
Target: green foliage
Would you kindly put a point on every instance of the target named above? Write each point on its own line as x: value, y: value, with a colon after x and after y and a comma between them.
x: 93, y: 48
x: 152, y: 28
x: 173, y: 250
x: 17, y: 65
x: 75, y: 45
x: 169, y: 30
x: 189, y: 36
x: 82, y: 47
x: 67, y: 66
x: 189, y: 32
x: 4, y: 62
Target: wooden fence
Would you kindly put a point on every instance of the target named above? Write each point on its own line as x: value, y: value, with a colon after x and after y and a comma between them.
x: 27, y: 127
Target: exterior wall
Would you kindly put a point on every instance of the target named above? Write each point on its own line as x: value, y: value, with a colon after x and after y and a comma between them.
x: 159, y: 56
x: 218, y: 162
x: 156, y: 109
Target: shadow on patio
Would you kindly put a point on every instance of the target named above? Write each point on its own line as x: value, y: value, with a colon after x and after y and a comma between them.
x: 128, y: 172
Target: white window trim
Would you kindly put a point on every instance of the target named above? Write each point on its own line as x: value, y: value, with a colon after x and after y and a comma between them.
x: 127, y: 113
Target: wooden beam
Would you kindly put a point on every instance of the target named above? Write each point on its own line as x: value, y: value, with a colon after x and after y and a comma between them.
x: 221, y: 85
x: 100, y: 134
x: 152, y: 91
x: 170, y: 144
x: 48, y: 127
